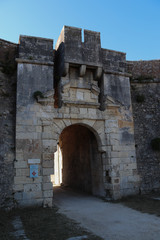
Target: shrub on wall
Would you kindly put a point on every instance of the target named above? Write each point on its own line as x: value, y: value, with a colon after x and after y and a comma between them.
x: 155, y: 143
x: 38, y: 94
x: 140, y: 98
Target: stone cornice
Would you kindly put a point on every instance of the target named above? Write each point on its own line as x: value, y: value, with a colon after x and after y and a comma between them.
x: 36, y: 62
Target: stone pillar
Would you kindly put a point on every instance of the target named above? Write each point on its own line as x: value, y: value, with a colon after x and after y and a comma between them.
x: 34, y: 82
x: 121, y: 172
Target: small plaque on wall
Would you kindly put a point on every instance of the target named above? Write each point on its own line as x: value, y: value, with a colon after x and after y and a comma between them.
x: 33, y: 171
x: 33, y: 161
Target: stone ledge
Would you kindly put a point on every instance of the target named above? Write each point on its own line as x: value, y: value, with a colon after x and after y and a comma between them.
x: 88, y: 64
x: 27, y: 61
x: 145, y: 81
x: 82, y: 103
x: 124, y: 74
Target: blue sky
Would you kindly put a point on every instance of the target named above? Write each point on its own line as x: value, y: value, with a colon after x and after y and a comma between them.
x: 131, y: 26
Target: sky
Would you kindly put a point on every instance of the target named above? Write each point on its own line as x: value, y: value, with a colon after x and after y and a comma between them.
x: 130, y: 26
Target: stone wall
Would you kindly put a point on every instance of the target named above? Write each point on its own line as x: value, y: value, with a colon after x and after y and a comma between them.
x: 146, y: 113
x: 90, y: 91
x: 34, y: 75
x: 8, y: 78
x: 144, y: 69
x: 145, y: 92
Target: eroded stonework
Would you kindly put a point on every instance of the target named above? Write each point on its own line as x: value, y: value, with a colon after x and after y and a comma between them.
x: 74, y: 122
x: 91, y: 91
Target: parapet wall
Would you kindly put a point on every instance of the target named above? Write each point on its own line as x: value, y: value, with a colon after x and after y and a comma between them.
x: 35, y: 48
x: 89, y: 52
x: 144, y: 69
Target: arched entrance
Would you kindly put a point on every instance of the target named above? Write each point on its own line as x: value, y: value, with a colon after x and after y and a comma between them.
x: 81, y: 161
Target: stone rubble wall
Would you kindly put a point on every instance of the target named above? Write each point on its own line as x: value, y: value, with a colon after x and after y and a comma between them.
x: 146, y: 116
x: 8, y: 80
x: 144, y: 69
x: 145, y: 82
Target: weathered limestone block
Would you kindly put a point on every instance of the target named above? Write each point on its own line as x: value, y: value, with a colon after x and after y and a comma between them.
x: 32, y: 195
x: 47, y: 171
x: 48, y: 193
x: 92, y: 113
x: 99, y: 127
x: 82, y: 70
x: 77, y: 95
x: 18, y: 187
x: 24, y: 180
x: 119, y: 154
x: 47, y: 179
x: 47, y: 186
x: 32, y: 187
x: 49, y: 146
x: 20, y: 164
x: 48, y: 163
x: 22, y: 172
x: 48, y: 202
x: 48, y: 135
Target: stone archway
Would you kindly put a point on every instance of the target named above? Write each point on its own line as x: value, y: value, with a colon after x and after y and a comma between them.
x: 81, y: 160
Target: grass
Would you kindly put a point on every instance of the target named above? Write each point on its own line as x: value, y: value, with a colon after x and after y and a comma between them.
x: 144, y: 204
x: 140, y: 98
x: 38, y: 94
x: 155, y: 143
x: 5, y: 225
x: 42, y: 224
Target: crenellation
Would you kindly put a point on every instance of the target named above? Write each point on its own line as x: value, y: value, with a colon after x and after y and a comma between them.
x: 33, y: 48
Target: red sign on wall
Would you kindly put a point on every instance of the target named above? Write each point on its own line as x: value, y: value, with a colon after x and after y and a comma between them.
x: 33, y: 171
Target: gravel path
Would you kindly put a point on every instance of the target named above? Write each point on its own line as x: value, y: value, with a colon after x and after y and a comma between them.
x: 107, y: 220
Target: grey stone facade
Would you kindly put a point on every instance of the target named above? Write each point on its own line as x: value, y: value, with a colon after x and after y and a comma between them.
x: 75, y: 98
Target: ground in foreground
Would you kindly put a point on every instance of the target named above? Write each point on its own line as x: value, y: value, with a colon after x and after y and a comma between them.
x: 41, y: 224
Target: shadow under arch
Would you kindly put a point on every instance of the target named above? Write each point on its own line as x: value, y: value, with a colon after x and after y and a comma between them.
x: 81, y: 159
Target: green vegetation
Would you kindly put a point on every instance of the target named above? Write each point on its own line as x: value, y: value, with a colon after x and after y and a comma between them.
x: 133, y: 87
x: 8, y: 65
x: 144, y: 204
x: 30, y: 58
x: 8, y: 68
x: 38, y: 94
x: 155, y: 143
x: 140, y: 98
x: 142, y: 78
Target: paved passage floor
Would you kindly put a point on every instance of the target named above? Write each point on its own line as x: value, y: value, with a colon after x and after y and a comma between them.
x: 108, y: 220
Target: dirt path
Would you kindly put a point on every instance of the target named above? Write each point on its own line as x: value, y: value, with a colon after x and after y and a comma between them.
x: 107, y: 220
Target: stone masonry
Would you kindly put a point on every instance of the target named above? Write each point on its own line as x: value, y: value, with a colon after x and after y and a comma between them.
x: 8, y: 79
x: 93, y: 90
x: 75, y: 98
x: 145, y: 82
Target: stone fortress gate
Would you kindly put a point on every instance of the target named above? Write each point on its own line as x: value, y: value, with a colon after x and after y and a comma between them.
x: 73, y: 103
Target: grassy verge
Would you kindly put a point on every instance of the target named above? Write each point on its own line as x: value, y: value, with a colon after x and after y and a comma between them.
x: 144, y: 204
x: 5, y: 225
x: 42, y: 224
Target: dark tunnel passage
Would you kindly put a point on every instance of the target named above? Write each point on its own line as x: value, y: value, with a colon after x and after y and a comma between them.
x: 81, y: 160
